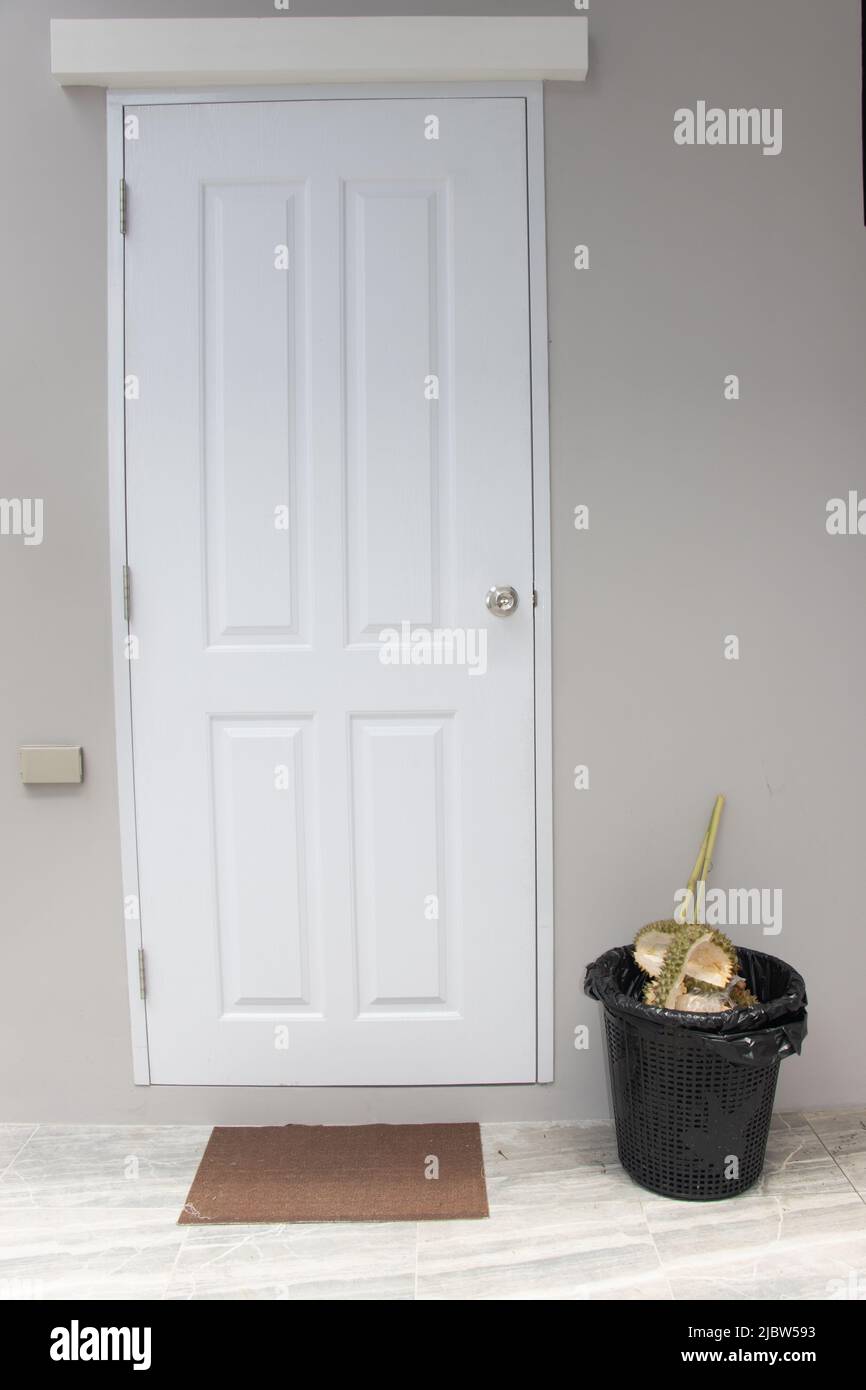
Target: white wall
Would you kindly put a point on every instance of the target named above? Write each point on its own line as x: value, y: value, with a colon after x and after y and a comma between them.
x: 707, y: 518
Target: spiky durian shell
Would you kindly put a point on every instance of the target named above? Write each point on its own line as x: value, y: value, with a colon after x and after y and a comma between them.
x: 699, y: 986
x: 650, y: 945
x: 683, y: 944
x: 695, y: 996
x: 742, y: 997
x: 713, y: 962
x: 650, y: 994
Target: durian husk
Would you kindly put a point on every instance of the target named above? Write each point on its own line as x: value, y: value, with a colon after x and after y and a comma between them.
x: 713, y: 961
x: 741, y: 996
x: 684, y: 944
x: 650, y: 945
x: 697, y: 997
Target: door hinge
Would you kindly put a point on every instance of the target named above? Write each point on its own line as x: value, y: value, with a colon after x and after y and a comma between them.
x: 123, y: 207
x: 126, y: 593
x: 142, y: 979
x: 535, y: 598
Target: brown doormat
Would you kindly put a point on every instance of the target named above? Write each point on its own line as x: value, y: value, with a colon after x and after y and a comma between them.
x: 339, y: 1173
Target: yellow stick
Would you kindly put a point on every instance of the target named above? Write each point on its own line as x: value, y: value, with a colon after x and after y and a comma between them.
x: 711, y: 837
x: 682, y: 910
x: 699, y: 862
x: 704, y: 873
x: 704, y: 861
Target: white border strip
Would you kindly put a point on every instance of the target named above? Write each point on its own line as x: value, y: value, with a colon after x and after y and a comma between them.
x: 542, y: 572
x: 533, y: 96
x: 169, y: 52
x: 119, y: 625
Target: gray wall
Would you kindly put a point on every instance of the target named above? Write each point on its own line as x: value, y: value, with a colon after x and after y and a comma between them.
x: 707, y: 518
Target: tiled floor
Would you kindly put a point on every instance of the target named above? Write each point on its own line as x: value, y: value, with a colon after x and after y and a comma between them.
x: 90, y: 1212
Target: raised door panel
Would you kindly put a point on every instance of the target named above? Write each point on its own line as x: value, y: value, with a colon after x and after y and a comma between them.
x: 398, y: 446
x: 254, y: 275
x: 406, y: 897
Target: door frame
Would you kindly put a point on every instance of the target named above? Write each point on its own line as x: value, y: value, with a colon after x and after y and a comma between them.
x: 532, y: 94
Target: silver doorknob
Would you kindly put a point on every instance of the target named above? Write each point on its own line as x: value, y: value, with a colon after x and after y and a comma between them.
x: 501, y: 600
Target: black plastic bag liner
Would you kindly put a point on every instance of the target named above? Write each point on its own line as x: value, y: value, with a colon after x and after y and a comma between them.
x: 774, y: 1027
x: 692, y: 1094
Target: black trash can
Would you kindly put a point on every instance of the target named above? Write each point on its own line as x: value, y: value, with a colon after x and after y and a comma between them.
x: 693, y: 1093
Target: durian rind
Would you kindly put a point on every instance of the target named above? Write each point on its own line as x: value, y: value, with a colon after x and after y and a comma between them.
x: 741, y: 997
x: 650, y: 945
x: 687, y: 962
x: 697, y: 997
x: 699, y: 986
x: 714, y: 961
x: 682, y: 947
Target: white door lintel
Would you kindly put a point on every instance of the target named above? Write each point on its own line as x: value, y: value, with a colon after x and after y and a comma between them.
x: 201, y: 52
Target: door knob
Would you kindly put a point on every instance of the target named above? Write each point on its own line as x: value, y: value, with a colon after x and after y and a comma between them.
x: 501, y: 600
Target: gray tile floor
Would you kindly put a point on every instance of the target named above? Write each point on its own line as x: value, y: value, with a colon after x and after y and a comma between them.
x: 91, y: 1211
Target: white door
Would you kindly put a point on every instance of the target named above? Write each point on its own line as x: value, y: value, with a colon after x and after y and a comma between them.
x: 328, y: 436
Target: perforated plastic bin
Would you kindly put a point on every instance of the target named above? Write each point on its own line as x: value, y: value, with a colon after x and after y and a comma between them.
x: 693, y: 1093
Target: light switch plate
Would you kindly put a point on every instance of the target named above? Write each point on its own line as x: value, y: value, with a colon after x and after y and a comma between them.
x: 42, y: 762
